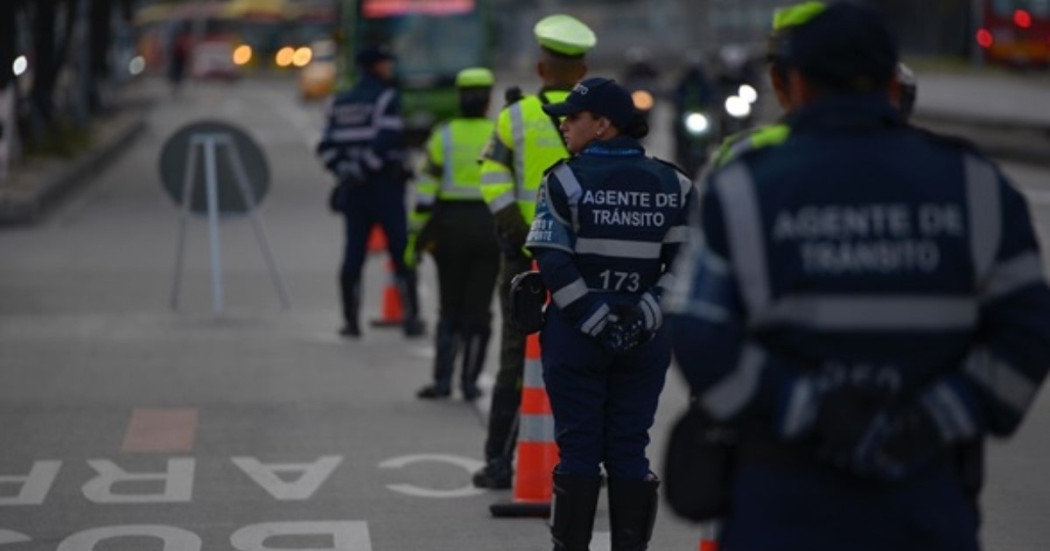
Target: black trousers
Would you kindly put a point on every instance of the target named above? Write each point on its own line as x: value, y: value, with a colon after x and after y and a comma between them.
x: 467, y: 258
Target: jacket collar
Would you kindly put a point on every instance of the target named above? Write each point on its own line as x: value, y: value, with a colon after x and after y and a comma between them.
x: 620, y: 146
x: 846, y: 111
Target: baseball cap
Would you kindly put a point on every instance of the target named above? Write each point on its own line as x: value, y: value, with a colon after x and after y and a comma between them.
x: 565, y: 35
x: 370, y: 55
x: 601, y: 96
x: 847, y: 46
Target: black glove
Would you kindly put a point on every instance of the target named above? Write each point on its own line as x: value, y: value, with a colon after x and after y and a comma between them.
x: 625, y: 330
x: 862, y: 433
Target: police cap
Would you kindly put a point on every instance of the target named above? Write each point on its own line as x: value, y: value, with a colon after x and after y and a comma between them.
x: 601, y: 96
x: 564, y: 35
x: 847, y: 46
x: 370, y: 55
x: 474, y: 77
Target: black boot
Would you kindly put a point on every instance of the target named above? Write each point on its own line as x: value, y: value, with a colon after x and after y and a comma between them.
x: 574, y: 502
x: 632, y: 512
x: 475, y: 345
x: 502, y: 438
x: 445, y: 344
x: 350, y: 289
x: 406, y: 286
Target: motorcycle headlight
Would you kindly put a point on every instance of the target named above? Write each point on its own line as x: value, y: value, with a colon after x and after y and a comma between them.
x: 737, y: 107
x: 748, y: 93
x: 696, y: 123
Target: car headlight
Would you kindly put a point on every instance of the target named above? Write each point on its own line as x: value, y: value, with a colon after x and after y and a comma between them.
x: 696, y: 123
x: 737, y: 107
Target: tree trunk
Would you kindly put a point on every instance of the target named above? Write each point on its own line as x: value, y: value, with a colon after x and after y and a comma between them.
x: 8, y: 42
x: 99, y: 41
x: 45, y: 72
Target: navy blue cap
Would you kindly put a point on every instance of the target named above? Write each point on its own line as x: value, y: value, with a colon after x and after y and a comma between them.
x: 848, y: 46
x: 601, y: 96
x: 370, y: 55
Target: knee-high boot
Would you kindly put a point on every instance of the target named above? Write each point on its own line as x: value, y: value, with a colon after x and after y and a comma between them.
x: 350, y: 290
x: 500, y: 440
x: 445, y: 345
x: 572, y: 511
x: 632, y: 512
x: 475, y: 346
x: 412, y: 325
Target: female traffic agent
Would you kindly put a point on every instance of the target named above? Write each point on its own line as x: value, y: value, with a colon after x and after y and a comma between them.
x: 609, y: 221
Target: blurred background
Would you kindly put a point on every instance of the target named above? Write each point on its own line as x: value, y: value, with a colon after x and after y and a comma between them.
x: 65, y: 61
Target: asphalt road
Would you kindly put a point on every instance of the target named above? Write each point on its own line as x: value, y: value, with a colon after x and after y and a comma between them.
x: 259, y: 428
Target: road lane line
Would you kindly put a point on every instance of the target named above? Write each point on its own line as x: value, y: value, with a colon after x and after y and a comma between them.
x: 160, y: 430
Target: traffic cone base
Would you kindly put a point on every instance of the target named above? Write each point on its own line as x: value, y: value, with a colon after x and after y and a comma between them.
x: 390, y: 310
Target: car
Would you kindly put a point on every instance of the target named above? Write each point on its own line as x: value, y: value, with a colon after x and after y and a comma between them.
x: 317, y: 78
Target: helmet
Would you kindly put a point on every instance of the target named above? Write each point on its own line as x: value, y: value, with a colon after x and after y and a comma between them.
x: 908, y: 88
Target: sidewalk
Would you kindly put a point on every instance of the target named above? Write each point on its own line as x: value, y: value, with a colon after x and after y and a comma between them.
x: 34, y: 185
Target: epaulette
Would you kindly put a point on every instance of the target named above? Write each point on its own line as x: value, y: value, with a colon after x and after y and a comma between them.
x: 670, y: 164
x: 949, y: 139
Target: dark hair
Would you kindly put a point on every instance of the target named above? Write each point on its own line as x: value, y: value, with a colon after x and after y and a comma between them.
x: 474, y: 102
x: 638, y: 128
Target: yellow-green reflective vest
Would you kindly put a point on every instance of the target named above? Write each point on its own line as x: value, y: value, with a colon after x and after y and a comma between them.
x: 452, y: 171
x: 525, y: 144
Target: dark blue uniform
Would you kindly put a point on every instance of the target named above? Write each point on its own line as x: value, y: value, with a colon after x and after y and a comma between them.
x: 862, y: 278
x: 363, y: 145
x: 607, y: 226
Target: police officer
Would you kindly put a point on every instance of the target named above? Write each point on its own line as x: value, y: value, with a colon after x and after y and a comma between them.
x: 903, y: 90
x: 526, y: 142
x: 452, y: 222
x: 609, y: 222
x: 363, y: 146
x: 865, y: 303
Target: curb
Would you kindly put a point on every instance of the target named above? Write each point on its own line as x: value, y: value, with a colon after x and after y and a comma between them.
x: 26, y: 197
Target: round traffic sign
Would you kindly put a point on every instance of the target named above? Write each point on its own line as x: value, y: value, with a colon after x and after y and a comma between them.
x: 235, y: 155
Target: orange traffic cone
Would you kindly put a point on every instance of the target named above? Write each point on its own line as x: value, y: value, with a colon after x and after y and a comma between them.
x: 709, y: 536
x: 390, y: 310
x: 537, y: 451
x: 376, y: 239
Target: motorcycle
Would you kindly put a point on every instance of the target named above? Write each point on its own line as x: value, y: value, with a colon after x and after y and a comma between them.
x: 693, y: 132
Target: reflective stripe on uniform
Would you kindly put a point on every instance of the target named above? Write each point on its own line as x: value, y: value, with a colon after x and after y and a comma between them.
x: 594, y: 324
x: 1001, y: 380
x: 736, y: 191
x: 982, y: 193
x: 570, y: 293
x: 872, y: 312
x: 573, y: 191
x: 517, y: 129
x: 654, y: 317
x: 501, y: 202
x: 728, y: 396
x: 356, y: 134
x: 949, y: 413
x: 618, y: 248
x: 1009, y: 276
x: 677, y: 234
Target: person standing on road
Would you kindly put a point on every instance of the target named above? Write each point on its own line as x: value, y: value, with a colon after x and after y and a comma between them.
x: 526, y: 142
x: 864, y: 303
x: 363, y: 146
x: 608, y: 224
x: 454, y: 224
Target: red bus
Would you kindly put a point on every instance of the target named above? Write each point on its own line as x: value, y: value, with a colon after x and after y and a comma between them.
x: 1015, y: 32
